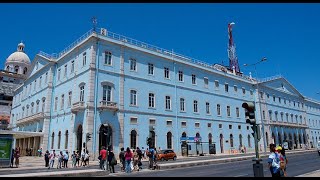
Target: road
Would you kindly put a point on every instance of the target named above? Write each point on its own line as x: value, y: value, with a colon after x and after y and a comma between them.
x: 297, y: 164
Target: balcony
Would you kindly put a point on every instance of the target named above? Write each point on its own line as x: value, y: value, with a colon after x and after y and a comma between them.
x: 78, y: 106
x: 32, y: 118
x: 288, y: 124
x: 107, y: 105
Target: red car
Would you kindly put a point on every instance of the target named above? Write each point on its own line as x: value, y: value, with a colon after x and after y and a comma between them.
x: 166, y: 154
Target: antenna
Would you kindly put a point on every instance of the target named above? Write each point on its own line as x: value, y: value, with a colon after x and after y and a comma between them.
x: 94, y: 23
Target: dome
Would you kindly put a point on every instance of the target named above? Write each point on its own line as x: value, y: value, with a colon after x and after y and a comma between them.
x: 18, y: 56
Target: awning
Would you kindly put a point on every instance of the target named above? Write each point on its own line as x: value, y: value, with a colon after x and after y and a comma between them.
x: 21, y: 134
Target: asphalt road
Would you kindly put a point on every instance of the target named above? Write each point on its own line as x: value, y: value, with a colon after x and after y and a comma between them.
x: 297, y: 164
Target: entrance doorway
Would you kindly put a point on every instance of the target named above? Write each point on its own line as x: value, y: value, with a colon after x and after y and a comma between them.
x: 79, y: 138
x: 105, y: 136
x: 221, y: 143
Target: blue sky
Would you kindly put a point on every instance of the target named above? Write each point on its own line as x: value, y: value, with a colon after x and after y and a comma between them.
x: 287, y: 34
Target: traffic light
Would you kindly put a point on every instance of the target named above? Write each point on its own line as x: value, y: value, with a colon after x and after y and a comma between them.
x: 149, y: 141
x: 88, y: 137
x: 249, y: 112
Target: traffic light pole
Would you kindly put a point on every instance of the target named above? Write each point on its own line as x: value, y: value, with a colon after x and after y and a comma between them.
x: 257, y: 166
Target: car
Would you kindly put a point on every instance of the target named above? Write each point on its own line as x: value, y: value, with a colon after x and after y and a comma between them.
x: 166, y: 154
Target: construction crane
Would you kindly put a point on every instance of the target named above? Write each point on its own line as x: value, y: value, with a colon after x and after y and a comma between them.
x: 233, y: 59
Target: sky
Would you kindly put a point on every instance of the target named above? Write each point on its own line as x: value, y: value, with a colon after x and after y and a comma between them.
x: 287, y: 34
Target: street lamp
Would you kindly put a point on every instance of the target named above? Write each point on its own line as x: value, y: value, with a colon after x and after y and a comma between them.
x: 258, y: 168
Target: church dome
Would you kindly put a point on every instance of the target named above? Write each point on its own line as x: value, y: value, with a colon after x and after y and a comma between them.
x: 19, y: 56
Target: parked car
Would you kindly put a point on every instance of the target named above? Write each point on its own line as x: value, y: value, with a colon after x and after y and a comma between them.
x: 166, y: 154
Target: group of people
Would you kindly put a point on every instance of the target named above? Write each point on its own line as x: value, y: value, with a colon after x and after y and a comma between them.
x: 15, y: 155
x: 277, y: 161
x: 63, y: 158
x: 107, y: 159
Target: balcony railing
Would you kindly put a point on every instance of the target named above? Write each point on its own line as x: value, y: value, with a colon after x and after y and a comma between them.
x: 78, y: 106
x: 289, y: 124
x: 32, y: 118
x: 107, y: 105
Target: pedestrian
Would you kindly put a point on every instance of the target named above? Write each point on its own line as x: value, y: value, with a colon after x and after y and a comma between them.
x: 143, y: 152
x: 140, y: 154
x: 111, y: 160
x: 52, y: 158
x: 150, y: 156
x: 60, y: 160
x: 17, y: 156
x: 128, y: 156
x: 135, y: 160
x: 46, y: 158
x: 74, y: 159
x: 78, y: 156
x: 155, y: 154
x: 65, y: 159
x: 86, y: 158
x: 103, y: 157
x: 283, y: 162
x: 274, y: 161
x: 147, y: 153
x: 122, y: 159
x: 83, y: 154
x: 40, y: 152
x: 12, y: 157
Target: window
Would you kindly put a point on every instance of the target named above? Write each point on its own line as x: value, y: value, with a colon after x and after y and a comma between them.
x: 169, y: 123
x: 274, y: 99
x: 65, y: 70
x: 69, y: 98
x: 30, y: 86
x: 84, y: 59
x: 59, y: 72
x: 133, y: 64
x: 196, y: 124
x: 32, y: 104
x: 182, y: 104
x: 43, y: 104
x: 216, y: 84
x: 152, y: 121
x: 107, y: 58
x: 206, y: 82
x: 209, y: 125
x: 195, y: 106
x: 218, y: 110
x: 166, y: 73
x: 72, y: 66
x: 230, y: 126
x: 193, y: 78
x: 66, y: 140
x: 226, y: 87
x: 220, y: 126
x: 150, y: 69
x: 180, y: 76
x: 62, y: 101
x: 133, y: 120
x: 207, y: 107
x: 243, y: 91
x: 52, y: 140
x: 133, y: 97
x: 228, y: 110
x: 133, y: 139
x: 151, y: 100
x: 287, y: 117
x: 235, y: 88
x: 81, y: 93
x: 56, y: 104
x: 37, y: 106
x: 281, y: 115
x: 183, y: 124
x: 231, y: 140
x: 169, y: 140
x: 270, y: 115
x: 263, y: 114
x: 40, y: 80
x: 239, y: 126
x: 261, y: 95
x: 249, y: 141
x: 237, y: 112
x: 46, y: 78
x: 107, y: 90
x: 279, y: 100
x: 168, y: 103
x: 251, y: 92
x: 59, y: 139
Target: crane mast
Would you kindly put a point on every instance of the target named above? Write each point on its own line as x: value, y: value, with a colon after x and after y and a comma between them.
x: 233, y: 59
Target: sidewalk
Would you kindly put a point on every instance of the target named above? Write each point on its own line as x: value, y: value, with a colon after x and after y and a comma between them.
x: 32, y: 162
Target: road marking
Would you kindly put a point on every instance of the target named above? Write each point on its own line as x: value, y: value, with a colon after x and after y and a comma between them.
x: 241, y: 175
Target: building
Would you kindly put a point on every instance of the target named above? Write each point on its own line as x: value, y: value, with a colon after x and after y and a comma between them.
x: 16, y: 66
x: 109, y: 90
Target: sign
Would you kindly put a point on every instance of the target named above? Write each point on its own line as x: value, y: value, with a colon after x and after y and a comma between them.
x: 190, y: 138
x: 5, y: 149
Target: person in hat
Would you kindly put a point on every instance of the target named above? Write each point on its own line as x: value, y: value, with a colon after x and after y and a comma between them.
x: 274, y: 161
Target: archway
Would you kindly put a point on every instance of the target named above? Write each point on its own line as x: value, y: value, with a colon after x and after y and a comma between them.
x: 169, y: 140
x: 79, y: 138
x: 279, y: 138
x: 221, y: 143
x: 290, y: 141
x: 273, y: 138
x: 300, y: 140
x: 105, y: 136
x: 295, y: 141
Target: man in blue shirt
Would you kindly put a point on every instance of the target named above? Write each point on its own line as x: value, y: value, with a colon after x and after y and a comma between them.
x: 274, y: 161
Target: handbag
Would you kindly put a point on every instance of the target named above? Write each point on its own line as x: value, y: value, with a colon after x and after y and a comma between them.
x: 99, y: 157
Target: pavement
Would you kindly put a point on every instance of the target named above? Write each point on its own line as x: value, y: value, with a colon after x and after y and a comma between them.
x: 37, y: 163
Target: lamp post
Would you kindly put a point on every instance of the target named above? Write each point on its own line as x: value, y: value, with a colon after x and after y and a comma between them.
x: 258, y: 167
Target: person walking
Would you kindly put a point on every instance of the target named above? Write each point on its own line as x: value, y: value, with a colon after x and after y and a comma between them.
x: 122, y: 159
x: 74, y: 159
x: 60, y: 160
x: 283, y: 162
x: 17, y: 156
x: 78, y: 156
x: 140, y: 154
x: 274, y: 161
x: 151, y: 157
x: 46, y: 158
x: 128, y: 156
x: 103, y: 158
x: 52, y: 158
x: 86, y: 158
x: 12, y: 157
x: 83, y: 154
x: 65, y: 159
x: 40, y: 152
x: 111, y: 161
x: 135, y: 160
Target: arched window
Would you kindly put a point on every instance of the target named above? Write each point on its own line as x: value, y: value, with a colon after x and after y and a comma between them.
x: 81, y: 93
x: 8, y: 68
x: 133, y: 139
x: 184, y: 134
x: 43, y: 104
x: 52, y: 140
x: 16, y: 69
x: 231, y: 140
x: 66, y: 140
x: 249, y: 141
x: 59, y: 139
x: 25, y: 70
x: 169, y: 140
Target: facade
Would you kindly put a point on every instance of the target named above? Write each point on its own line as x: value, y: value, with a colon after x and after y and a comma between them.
x: 16, y: 67
x: 119, y: 91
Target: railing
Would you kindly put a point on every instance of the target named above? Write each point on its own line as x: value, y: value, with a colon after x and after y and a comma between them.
x: 78, y: 106
x: 31, y: 118
x: 108, y: 105
x: 269, y: 78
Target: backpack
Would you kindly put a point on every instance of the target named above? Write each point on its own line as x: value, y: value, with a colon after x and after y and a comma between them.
x: 121, y: 155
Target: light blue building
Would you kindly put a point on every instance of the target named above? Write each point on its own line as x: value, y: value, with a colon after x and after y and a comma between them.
x: 119, y: 90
